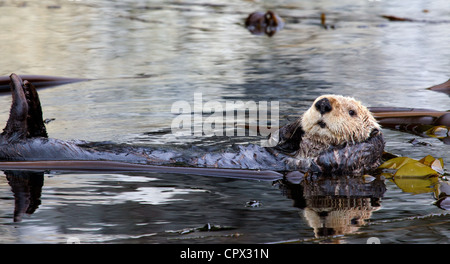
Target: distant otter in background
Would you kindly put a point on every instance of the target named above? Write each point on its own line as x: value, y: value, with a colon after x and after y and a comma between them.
x: 337, y: 135
x: 268, y: 23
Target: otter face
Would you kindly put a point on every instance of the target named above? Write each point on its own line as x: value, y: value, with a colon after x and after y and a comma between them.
x: 335, y: 119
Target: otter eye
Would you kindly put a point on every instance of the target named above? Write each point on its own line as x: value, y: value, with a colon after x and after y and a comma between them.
x: 352, y: 113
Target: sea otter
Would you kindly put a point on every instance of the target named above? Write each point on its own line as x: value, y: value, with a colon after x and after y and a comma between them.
x: 336, y: 135
x: 267, y: 23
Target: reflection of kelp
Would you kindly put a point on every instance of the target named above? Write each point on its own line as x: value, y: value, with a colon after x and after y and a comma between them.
x: 426, y: 175
x: 427, y: 184
x: 27, y: 188
x: 407, y: 19
x: 335, y: 205
x: 417, y: 185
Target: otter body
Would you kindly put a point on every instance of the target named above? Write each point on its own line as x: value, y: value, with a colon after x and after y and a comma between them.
x: 337, y: 135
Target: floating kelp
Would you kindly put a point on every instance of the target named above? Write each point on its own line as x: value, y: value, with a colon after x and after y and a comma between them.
x: 416, y: 142
x: 323, y: 22
x: 443, y: 87
x: 407, y: 19
x: 422, y: 122
x: 43, y: 81
x: 395, y: 18
x: 268, y: 23
x: 402, y: 115
x: 401, y: 167
x: 39, y: 81
x: 443, y: 203
x: 419, y: 176
x: 442, y: 195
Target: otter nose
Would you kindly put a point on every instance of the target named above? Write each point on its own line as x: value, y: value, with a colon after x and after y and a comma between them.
x: 323, y: 106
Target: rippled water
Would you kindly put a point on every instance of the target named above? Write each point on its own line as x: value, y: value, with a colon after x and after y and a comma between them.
x: 175, y: 49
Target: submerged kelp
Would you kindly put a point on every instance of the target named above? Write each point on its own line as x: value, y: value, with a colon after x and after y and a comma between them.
x: 407, y: 167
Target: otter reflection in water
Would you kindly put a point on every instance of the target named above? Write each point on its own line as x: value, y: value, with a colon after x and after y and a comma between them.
x: 334, y: 205
x: 26, y: 187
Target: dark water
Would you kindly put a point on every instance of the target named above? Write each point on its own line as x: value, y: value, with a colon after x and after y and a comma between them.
x: 175, y: 49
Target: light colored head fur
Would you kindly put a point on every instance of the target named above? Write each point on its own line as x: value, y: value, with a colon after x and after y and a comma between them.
x: 347, y: 121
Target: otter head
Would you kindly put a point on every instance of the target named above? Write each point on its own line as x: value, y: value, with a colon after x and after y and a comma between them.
x: 335, y: 119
